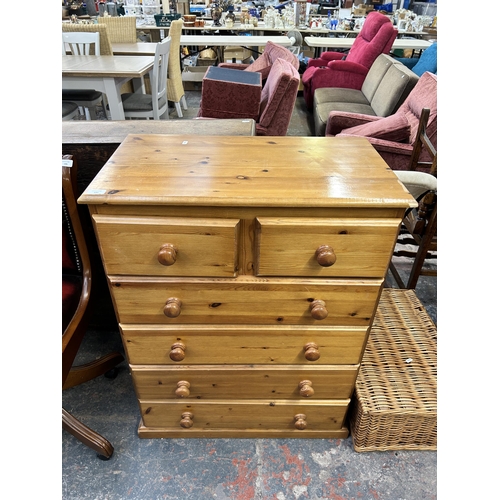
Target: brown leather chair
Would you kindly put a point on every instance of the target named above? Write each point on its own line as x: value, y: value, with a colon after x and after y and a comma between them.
x: 76, y: 309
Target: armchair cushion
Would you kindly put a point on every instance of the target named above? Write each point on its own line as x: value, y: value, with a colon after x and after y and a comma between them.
x: 392, y: 128
x: 261, y: 65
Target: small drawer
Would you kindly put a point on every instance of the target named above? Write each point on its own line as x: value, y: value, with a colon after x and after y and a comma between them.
x: 206, y: 382
x: 161, y: 246
x: 225, y: 344
x: 321, y: 302
x: 250, y: 414
x: 324, y: 247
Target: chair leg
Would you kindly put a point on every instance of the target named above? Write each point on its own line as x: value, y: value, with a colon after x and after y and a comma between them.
x: 83, y: 373
x: 184, y: 102
x: 424, y: 246
x: 87, y: 436
x: 178, y: 109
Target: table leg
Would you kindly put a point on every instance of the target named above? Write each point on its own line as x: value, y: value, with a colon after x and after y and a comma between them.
x: 112, y: 91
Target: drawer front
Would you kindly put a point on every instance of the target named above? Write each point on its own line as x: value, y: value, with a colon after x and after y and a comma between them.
x: 324, y: 247
x: 245, y: 301
x: 220, y: 345
x: 244, y: 382
x: 251, y: 414
x: 160, y: 246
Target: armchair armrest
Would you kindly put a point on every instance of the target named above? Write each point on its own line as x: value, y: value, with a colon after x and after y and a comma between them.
x: 332, y: 55
x: 340, y: 120
x: 324, y: 59
x: 348, y: 67
x: 241, y: 66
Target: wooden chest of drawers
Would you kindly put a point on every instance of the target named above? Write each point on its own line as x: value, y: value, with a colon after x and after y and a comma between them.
x: 245, y: 273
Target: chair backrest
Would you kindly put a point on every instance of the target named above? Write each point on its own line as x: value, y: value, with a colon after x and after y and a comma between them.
x: 275, y: 51
x: 76, y: 268
x: 423, y: 143
x: 278, y: 99
x: 423, y: 95
x: 394, y: 88
x: 175, y: 87
x: 376, y: 37
x: 427, y: 61
x: 159, y: 75
x: 104, y: 41
x: 82, y: 44
x: 121, y: 29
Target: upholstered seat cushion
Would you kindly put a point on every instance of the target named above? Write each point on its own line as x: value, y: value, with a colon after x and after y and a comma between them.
x: 81, y: 95
x: 392, y: 128
x: 140, y: 102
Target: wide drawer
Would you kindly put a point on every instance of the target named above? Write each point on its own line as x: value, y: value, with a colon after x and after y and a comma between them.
x: 244, y: 382
x: 248, y: 414
x: 324, y: 247
x: 162, y: 246
x: 245, y: 301
x: 226, y: 344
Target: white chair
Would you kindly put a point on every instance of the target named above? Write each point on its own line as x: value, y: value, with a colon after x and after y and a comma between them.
x: 152, y: 105
x: 83, y: 44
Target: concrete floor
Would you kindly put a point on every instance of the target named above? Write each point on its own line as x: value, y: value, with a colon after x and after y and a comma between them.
x: 224, y: 469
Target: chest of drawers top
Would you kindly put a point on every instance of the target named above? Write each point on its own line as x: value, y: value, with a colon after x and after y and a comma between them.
x: 231, y: 171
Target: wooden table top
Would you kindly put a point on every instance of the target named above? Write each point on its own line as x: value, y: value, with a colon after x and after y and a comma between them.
x: 256, y: 171
x: 115, y: 131
x: 106, y: 66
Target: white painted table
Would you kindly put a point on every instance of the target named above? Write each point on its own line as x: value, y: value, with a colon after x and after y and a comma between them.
x: 106, y: 74
x: 321, y: 43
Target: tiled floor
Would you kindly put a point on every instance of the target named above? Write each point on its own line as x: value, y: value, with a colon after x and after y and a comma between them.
x: 235, y: 469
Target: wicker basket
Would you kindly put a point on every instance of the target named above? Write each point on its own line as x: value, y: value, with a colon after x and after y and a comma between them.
x: 394, y: 406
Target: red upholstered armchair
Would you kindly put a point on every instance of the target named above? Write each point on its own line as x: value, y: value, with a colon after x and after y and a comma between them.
x: 335, y: 69
x: 264, y: 62
x: 394, y: 136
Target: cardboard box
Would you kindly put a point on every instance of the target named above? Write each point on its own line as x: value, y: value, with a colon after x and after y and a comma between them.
x: 237, y: 54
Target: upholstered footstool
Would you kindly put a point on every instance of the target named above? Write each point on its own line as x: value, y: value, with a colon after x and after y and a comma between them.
x: 230, y: 93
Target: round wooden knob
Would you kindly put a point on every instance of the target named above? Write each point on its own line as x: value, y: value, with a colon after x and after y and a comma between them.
x: 167, y: 255
x: 325, y: 256
x: 318, y: 309
x: 187, y: 420
x: 305, y: 388
x: 172, y: 308
x: 300, y: 421
x: 177, y: 351
x: 182, y: 390
x: 311, y: 351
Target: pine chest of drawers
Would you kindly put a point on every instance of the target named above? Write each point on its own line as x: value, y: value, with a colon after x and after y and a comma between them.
x: 245, y: 273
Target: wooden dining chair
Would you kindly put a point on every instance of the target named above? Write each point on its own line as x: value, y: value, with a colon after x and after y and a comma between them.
x: 153, y: 105
x: 420, y: 224
x: 77, y: 300
x: 82, y: 44
x: 175, y: 86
